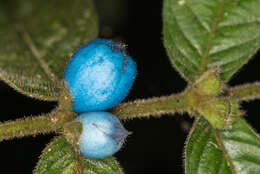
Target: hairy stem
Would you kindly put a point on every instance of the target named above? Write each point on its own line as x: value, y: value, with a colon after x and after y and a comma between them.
x: 55, y: 120
x: 246, y: 92
x: 34, y: 125
x: 41, y: 124
x: 155, y: 106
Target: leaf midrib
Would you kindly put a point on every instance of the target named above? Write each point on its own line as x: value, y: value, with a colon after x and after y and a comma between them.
x: 204, y: 59
x: 223, y: 149
x: 20, y: 29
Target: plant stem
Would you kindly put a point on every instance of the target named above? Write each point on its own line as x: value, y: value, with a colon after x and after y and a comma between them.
x: 155, y: 106
x: 55, y: 120
x: 246, y: 92
x: 175, y: 103
x: 34, y: 125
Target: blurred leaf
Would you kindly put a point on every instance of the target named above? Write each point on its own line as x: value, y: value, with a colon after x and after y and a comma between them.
x: 59, y: 157
x: 235, y: 150
x: 37, y: 39
x: 199, y: 34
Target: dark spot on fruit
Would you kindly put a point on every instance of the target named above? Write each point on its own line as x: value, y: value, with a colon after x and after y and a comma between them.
x: 118, y: 47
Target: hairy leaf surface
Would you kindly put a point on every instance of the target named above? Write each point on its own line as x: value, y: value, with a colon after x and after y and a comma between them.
x: 199, y: 34
x: 59, y: 157
x: 235, y: 150
x: 37, y: 39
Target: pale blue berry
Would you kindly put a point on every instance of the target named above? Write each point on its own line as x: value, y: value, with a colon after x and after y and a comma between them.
x: 102, y: 134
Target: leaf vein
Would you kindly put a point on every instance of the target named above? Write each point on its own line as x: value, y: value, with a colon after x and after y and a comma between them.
x: 224, y: 150
x: 204, y: 59
x: 29, y: 42
x: 186, y: 57
x: 249, y: 160
x: 240, y: 23
x: 235, y: 46
x: 196, y: 17
x: 183, y: 34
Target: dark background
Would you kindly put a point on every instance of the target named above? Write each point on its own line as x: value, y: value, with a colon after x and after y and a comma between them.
x: 156, y: 145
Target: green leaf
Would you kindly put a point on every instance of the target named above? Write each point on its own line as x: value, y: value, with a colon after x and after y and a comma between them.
x: 59, y: 157
x: 235, y: 150
x: 199, y: 34
x: 37, y: 39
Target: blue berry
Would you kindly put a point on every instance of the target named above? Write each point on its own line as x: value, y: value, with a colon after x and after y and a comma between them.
x: 102, y: 134
x: 99, y: 75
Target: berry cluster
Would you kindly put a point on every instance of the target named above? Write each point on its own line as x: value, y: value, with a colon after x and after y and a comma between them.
x: 99, y: 76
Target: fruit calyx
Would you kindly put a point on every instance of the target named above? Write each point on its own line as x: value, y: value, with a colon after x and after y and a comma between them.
x: 209, y: 101
x: 209, y: 83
